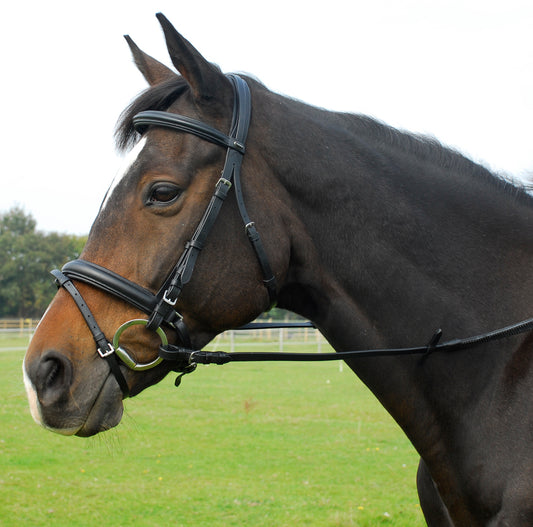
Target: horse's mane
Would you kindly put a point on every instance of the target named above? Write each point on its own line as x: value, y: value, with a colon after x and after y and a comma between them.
x: 429, y: 149
x: 375, y: 132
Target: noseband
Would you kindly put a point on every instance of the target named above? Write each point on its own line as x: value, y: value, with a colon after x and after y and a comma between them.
x: 161, y: 307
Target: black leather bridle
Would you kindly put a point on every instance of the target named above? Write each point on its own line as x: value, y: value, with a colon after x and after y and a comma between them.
x: 160, y: 306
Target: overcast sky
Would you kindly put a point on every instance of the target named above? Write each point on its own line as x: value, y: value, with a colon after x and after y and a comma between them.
x: 460, y: 70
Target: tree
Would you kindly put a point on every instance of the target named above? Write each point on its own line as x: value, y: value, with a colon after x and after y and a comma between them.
x: 26, y: 258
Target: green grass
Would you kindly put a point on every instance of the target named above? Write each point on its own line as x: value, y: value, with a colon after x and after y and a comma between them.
x: 243, y: 444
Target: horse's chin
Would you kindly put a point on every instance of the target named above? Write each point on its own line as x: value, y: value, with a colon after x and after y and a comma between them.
x: 106, y: 411
x: 108, y: 407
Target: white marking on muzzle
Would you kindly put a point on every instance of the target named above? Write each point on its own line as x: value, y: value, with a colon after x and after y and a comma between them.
x: 35, y: 407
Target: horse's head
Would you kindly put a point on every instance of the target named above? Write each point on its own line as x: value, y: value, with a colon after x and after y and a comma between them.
x: 151, y: 212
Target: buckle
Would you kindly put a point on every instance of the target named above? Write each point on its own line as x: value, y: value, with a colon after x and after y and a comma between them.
x: 110, y: 350
x: 224, y: 181
x: 167, y: 300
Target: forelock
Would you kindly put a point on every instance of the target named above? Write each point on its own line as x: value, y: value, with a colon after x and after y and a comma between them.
x: 157, y: 98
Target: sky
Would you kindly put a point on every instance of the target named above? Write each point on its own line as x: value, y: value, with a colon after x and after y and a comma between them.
x: 458, y: 70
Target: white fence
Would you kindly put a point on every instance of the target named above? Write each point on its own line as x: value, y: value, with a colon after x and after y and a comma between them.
x: 280, y: 339
x: 18, y: 325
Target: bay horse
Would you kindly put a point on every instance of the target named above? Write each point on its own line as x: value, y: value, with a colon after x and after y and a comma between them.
x: 375, y: 235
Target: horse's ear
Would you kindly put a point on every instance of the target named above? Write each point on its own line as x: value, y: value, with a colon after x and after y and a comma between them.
x: 203, y: 77
x: 153, y: 71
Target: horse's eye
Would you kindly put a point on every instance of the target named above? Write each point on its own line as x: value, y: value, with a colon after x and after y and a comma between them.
x: 163, y: 193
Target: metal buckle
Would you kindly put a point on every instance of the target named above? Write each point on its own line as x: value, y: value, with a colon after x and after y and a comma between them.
x: 168, y: 300
x: 106, y: 353
x: 225, y: 181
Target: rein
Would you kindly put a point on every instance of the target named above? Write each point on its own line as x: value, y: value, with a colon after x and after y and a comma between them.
x: 160, y: 307
x: 183, y: 355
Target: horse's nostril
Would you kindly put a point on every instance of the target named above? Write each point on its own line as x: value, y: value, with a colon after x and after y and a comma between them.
x: 53, y: 377
x: 51, y: 370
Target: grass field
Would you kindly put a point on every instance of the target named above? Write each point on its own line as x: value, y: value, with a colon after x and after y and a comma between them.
x: 242, y: 444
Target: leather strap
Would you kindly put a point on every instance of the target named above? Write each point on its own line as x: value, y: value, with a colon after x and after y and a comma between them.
x: 269, y: 280
x: 110, y: 282
x: 103, y: 346
x: 186, y: 356
x: 182, y: 123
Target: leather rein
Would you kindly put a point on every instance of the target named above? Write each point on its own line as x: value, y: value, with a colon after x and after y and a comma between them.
x: 160, y: 307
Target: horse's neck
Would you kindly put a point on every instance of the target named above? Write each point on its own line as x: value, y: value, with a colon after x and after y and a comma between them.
x: 391, y: 265
x: 406, y: 243
x: 390, y: 246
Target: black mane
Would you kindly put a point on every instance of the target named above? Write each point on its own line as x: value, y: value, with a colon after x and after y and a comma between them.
x: 429, y: 149
x: 433, y: 151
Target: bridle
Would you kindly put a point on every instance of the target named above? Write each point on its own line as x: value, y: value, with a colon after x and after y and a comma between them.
x: 160, y: 307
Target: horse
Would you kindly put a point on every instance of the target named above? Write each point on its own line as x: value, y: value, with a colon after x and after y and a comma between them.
x: 375, y: 235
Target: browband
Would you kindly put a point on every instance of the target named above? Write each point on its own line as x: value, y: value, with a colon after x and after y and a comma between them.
x: 182, y: 123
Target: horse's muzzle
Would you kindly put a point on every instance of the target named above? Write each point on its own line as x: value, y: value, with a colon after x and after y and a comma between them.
x: 68, y: 405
